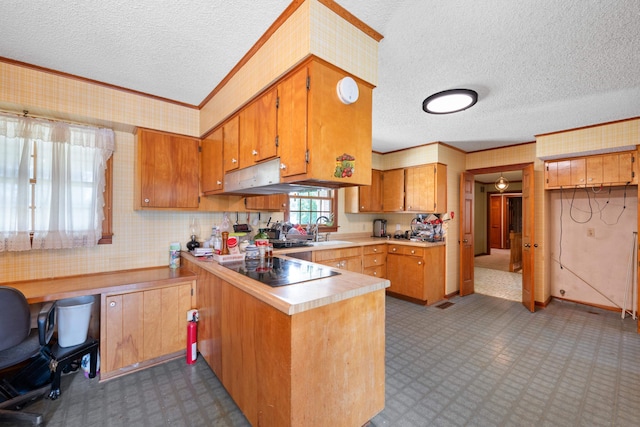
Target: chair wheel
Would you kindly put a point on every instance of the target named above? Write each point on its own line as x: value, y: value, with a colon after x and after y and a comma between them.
x: 54, y: 394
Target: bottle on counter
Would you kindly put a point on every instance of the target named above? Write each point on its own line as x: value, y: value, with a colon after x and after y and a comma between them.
x: 174, y: 255
x: 217, y: 241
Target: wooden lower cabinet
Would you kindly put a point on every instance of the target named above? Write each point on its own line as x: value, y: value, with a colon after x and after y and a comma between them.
x: 416, y: 273
x: 309, y: 368
x: 374, y: 260
x: 142, y: 328
x: 346, y: 259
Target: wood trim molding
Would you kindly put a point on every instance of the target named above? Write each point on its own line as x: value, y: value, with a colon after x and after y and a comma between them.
x: 91, y: 81
x: 345, y: 14
x: 587, y: 127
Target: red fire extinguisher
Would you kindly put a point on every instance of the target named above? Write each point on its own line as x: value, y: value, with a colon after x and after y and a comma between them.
x: 192, y: 338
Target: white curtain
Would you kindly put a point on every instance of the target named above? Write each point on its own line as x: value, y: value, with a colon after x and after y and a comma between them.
x: 69, y: 171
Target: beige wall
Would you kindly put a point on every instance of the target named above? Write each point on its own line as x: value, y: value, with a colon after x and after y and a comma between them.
x: 313, y: 29
x: 142, y: 238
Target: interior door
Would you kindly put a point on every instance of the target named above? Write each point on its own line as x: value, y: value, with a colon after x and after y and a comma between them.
x: 495, y: 222
x: 528, y: 241
x: 466, y: 233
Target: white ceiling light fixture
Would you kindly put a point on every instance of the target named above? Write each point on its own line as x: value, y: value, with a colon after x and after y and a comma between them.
x: 502, y: 183
x: 450, y: 101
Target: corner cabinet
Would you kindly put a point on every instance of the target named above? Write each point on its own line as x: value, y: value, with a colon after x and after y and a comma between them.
x: 426, y: 188
x: 143, y: 328
x: 318, y: 135
x: 603, y: 169
x: 166, y: 171
x: 416, y: 274
x: 414, y: 189
x: 224, y: 139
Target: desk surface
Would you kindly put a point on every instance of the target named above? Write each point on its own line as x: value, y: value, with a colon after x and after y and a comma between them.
x: 90, y: 284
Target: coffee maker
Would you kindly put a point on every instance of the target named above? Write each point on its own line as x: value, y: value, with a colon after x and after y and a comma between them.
x: 379, y: 228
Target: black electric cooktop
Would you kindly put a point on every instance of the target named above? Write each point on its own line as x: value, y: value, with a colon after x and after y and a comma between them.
x: 280, y: 272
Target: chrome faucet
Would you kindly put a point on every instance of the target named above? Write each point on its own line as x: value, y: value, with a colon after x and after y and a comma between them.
x: 315, y: 228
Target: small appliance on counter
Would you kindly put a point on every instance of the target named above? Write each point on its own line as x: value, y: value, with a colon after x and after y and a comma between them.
x: 379, y: 228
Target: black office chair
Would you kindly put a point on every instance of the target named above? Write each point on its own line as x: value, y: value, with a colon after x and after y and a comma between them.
x: 19, y: 344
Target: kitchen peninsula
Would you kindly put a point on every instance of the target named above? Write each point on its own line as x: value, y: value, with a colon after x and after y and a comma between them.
x: 310, y: 353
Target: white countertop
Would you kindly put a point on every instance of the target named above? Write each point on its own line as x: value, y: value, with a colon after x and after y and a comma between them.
x: 299, y: 297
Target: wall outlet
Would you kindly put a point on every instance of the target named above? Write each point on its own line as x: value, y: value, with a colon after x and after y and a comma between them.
x: 591, y: 232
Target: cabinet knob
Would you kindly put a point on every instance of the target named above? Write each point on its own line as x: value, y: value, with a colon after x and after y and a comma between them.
x: 413, y: 251
x: 254, y: 152
x: 375, y: 261
x: 408, y: 207
x: 234, y: 160
x: 394, y: 249
x: 419, y: 262
x: 218, y: 182
x: 361, y: 207
x: 283, y: 166
x: 375, y: 273
x: 112, y: 304
x: 147, y: 200
x: 375, y: 249
x: 284, y: 205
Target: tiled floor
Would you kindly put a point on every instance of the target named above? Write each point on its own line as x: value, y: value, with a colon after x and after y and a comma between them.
x: 496, y: 283
x: 483, y: 361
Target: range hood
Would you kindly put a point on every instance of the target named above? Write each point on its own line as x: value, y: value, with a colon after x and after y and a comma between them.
x: 262, y: 179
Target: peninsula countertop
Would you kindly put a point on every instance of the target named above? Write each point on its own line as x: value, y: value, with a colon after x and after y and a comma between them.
x: 299, y: 297
x: 338, y: 242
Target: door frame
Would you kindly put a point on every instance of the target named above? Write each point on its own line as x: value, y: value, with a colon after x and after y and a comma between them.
x: 507, y: 168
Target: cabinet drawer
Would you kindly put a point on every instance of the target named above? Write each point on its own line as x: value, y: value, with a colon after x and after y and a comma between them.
x: 405, y: 250
x: 374, y: 249
x: 373, y: 260
x: 377, y: 271
x: 319, y: 256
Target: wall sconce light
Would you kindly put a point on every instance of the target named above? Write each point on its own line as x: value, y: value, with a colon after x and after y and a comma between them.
x: 502, y: 183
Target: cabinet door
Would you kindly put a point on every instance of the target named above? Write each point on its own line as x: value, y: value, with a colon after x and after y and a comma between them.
x: 211, y: 164
x: 273, y: 202
x: 370, y: 196
x: 618, y: 168
x: 231, y: 138
x: 168, y: 170
x: 406, y: 274
x: 566, y: 173
x: 393, y: 190
x: 258, y: 130
x: 419, y: 187
x: 123, y: 344
x: 292, y: 123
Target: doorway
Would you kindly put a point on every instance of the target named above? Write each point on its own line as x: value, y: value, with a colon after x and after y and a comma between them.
x: 498, y: 253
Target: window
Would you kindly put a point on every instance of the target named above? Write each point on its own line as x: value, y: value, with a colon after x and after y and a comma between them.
x: 53, y: 178
x: 305, y: 207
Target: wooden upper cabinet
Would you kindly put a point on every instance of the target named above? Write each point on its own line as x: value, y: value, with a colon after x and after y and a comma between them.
x: 258, y: 130
x: 292, y: 123
x: 370, y: 196
x: 393, y: 190
x: 317, y: 132
x: 211, y: 167
x: 616, y: 168
x: 273, y: 202
x: 231, y: 144
x: 601, y: 169
x: 426, y: 188
x: 166, y: 173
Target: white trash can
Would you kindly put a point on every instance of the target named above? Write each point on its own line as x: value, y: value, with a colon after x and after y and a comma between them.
x: 72, y: 317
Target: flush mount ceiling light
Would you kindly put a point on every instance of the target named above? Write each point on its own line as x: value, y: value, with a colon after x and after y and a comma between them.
x: 502, y: 183
x: 450, y: 101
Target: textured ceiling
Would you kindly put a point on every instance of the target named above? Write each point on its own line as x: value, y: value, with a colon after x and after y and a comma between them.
x: 538, y: 66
